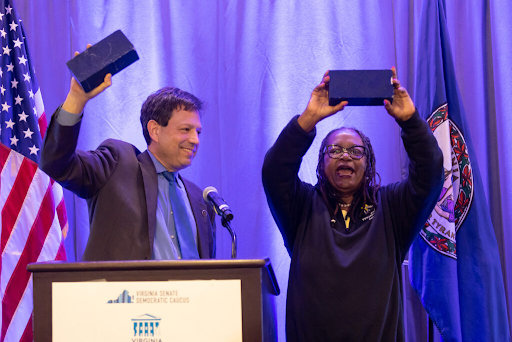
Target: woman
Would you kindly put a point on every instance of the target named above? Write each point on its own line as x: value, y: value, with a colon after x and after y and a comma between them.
x: 347, y: 236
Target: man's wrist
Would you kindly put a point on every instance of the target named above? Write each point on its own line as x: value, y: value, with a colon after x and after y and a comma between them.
x: 74, y: 105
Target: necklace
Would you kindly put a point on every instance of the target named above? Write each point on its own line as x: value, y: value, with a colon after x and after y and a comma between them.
x: 339, y: 206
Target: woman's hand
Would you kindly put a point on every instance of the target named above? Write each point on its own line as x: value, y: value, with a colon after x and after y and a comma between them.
x: 318, y: 106
x: 402, y: 107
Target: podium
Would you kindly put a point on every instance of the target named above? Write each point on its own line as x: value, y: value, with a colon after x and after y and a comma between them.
x: 170, y: 286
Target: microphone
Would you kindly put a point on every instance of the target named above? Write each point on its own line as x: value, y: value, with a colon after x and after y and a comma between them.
x: 221, y: 208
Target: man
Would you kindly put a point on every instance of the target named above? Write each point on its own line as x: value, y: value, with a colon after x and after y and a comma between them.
x: 347, y: 236
x: 139, y: 206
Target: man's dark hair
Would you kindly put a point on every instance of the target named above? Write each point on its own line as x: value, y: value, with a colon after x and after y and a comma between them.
x: 365, y: 195
x: 160, y: 105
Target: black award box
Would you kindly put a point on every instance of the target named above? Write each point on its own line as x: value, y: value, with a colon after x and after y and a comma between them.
x: 110, y: 55
x: 360, y: 87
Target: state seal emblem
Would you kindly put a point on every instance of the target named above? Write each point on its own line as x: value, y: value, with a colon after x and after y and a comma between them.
x: 441, y: 228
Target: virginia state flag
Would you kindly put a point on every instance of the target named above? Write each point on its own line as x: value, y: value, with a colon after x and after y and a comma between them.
x: 454, y: 264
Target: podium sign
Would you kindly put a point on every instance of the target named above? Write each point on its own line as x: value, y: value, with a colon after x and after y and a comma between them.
x: 155, y: 301
x: 196, y: 310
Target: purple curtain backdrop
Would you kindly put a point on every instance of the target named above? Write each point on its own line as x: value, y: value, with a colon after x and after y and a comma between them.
x: 255, y: 63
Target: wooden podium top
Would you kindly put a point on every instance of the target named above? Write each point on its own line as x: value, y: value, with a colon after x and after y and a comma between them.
x: 55, y: 266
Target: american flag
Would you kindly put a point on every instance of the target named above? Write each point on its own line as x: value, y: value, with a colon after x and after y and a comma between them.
x: 33, y: 215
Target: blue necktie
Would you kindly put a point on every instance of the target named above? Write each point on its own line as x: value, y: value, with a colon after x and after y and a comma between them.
x: 181, y: 221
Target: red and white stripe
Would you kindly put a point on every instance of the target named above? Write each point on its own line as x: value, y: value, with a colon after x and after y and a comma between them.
x: 41, y: 116
x: 33, y: 228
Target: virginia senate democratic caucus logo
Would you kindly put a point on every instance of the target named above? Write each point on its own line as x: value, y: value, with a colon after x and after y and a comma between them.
x: 453, y: 204
x: 145, y: 328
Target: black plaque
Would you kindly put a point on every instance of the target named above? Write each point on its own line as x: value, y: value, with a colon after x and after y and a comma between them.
x: 110, y: 55
x: 360, y: 87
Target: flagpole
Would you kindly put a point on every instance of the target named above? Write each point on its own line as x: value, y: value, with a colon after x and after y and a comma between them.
x: 430, y: 336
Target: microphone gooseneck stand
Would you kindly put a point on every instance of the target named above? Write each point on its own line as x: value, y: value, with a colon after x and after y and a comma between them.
x: 225, y: 223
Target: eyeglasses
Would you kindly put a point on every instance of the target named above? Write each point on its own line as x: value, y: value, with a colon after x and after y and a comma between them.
x: 336, y: 151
